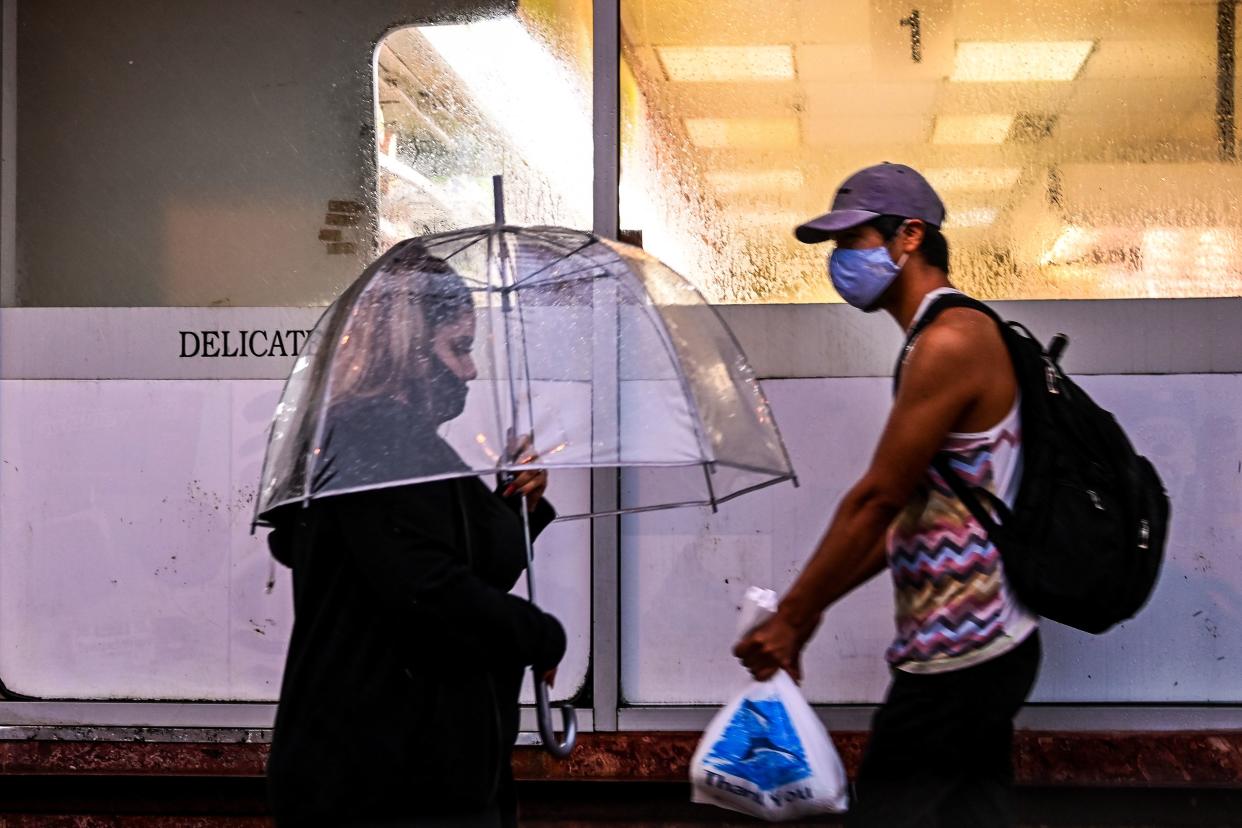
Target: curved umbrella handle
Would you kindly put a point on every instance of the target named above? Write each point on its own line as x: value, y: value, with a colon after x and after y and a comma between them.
x: 560, y: 748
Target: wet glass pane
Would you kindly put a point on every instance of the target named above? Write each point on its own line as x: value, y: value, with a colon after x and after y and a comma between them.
x: 457, y: 104
x: 1084, y: 150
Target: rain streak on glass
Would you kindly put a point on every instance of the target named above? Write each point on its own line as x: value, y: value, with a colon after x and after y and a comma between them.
x: 1076, y: 144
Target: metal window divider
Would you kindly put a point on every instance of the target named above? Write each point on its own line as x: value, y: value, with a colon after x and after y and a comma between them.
x: 605, y: 482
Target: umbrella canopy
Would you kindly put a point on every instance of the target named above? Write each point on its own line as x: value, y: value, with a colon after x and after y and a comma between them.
x: 499, y: 348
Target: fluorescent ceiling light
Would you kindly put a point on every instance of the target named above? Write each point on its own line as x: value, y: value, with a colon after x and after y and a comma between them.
x: 971, y: 217
x: 1164, y: 254
x: 1210, y: 251
x: 1168, y: 256
x: 1054, y: 60
x: 729, y: 182
x: 743, y: 133
x: 971, y: 129
x: 1215, y: 254
x: 1073, y: 243
x: 972, y: 179
x: 727, y: 63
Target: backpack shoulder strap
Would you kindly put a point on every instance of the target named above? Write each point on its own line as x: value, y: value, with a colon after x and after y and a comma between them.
x: 994, y: 509
x: 938, y: 306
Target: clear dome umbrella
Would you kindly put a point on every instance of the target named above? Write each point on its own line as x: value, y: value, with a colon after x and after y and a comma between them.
x: 497, y: 349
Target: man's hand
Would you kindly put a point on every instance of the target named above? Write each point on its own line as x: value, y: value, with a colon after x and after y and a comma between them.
x: 774, y: 645
x: 549, y: 678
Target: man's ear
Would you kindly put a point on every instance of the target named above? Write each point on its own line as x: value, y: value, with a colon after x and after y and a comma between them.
x: 910, y: 238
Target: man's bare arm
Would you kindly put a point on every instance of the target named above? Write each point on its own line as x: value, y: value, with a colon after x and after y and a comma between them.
x: 869, y: 565
x: 939, y: 382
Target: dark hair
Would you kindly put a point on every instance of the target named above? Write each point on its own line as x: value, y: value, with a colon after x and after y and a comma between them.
x: 388, y: 337
x: 935, y: 247
x: 440, y: 290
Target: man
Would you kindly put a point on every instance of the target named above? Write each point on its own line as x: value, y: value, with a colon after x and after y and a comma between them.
x: 966, y: 652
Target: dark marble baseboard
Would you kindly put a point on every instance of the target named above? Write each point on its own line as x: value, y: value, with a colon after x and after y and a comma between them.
x: 1154, y: 759
x: 1041, y: 758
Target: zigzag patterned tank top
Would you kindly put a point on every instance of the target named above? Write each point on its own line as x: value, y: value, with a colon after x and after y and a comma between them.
x: 954, y: 606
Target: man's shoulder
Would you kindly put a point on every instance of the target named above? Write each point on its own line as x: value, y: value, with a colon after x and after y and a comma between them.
x: 958, y: 341
x: 964, y: 331
x: 955, y: 331
x: 968, y: 320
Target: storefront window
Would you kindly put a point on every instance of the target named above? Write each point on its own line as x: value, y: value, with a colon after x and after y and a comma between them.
x: 1084, y: 150
x: 197, y: 183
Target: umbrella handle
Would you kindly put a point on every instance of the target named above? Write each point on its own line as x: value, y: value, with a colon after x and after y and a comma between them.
x: 560, y: 748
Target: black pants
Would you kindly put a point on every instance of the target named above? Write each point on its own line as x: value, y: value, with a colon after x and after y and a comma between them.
x: 940, y: 754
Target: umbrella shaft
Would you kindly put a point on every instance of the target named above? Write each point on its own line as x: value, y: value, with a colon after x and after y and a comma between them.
x: 530, y: 551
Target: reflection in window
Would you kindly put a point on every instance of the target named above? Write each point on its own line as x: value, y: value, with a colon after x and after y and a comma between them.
x: 458, y: 104
x: 1076, y: 145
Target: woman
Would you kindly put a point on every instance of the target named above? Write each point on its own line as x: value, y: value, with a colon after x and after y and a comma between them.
x: 399, y: 704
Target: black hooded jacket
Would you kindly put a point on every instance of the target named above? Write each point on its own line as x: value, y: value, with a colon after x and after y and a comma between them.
x: 400, y: 691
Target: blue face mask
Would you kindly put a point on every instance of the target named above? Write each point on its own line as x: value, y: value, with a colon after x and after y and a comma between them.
x: 862, y: 276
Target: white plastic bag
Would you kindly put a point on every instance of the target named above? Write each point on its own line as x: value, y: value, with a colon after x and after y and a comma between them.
x: 766, y: 753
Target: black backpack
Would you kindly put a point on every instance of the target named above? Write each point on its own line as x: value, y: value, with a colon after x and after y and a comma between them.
x: 1085, y: 538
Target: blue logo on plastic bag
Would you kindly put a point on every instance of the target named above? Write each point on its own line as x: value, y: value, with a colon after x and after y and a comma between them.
x: 761, y: 746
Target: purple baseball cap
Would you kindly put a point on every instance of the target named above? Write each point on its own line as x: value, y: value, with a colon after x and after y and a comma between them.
x: 883, y: 190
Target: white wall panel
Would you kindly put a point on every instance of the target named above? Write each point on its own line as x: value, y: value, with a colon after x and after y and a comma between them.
x: 683, y: 573
x: 121, y: 529
x: 127, y: 569
x: 1183, y: 647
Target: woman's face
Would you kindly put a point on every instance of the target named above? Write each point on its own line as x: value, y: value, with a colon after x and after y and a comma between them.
x: 453, y: 343
x: 453, y: 367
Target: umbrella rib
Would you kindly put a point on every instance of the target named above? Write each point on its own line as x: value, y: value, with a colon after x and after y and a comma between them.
x: 562, y: 518
x: 666, y: 340
x: 540, y: 233
x: 758, y: 388
x: 756, y: 487
x: 530, y: 402
x: 491, y: 326
x: 638, y: 510
x: 561, y: 279
x: 331, y: 340
x: 553, y: 263
x: 267, y: 452
x: 464, y: 247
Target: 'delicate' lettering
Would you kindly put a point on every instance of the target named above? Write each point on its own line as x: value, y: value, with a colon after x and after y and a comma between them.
x: 242, y: 343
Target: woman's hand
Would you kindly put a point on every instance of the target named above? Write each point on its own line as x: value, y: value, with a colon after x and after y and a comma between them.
x: 531, y: 484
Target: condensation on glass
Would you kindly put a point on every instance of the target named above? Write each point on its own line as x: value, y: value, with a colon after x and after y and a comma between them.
x: 1083, y: 149
x: 457, y: 104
